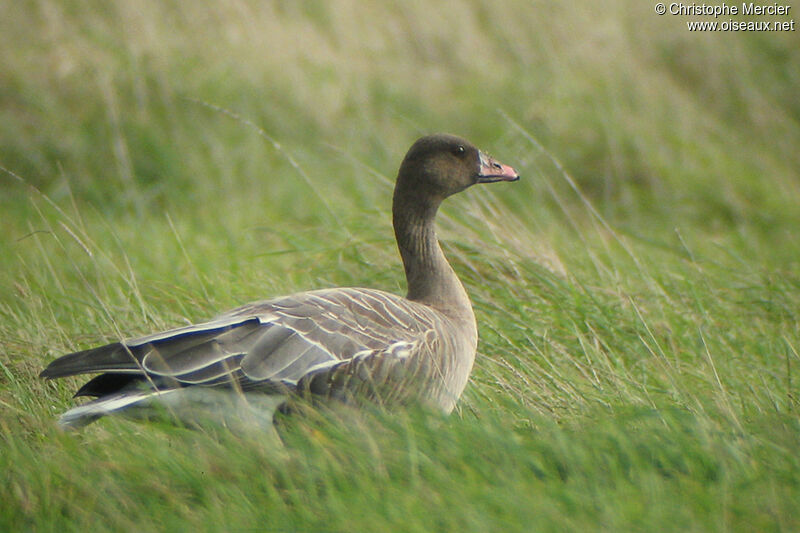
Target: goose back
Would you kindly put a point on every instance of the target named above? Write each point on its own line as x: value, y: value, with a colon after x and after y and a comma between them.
x: 342, y: 343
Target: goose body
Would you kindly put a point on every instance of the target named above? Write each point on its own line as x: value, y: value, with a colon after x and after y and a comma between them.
x: 342, y: 343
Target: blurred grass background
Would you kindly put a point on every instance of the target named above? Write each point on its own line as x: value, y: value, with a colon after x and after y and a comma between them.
x: 637, y: 292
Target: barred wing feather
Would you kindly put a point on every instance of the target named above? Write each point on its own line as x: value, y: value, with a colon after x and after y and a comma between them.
x: 337, y: 342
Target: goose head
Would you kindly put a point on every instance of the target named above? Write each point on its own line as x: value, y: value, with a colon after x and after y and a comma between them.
x: 440, y: 165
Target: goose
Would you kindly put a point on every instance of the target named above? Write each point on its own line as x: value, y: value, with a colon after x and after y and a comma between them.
x: 348, y: 344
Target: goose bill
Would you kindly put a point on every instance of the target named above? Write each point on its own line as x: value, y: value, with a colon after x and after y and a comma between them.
x: 492, y: 170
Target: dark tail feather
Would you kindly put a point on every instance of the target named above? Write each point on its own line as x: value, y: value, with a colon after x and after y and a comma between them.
x: 110, y: 357
x: 105, y: 384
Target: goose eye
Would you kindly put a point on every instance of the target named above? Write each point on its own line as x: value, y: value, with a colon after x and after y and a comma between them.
x: 460, y: 151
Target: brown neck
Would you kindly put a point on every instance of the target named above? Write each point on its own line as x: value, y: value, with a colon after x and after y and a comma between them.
x: 431, y: 280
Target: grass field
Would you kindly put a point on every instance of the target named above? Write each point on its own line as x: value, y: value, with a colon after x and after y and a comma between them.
x: 637, y: 293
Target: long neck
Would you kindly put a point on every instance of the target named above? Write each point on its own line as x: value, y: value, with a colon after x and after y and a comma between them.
x: 431, y: 279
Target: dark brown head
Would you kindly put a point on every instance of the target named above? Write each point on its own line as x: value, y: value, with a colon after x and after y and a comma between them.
x: 439, y: 165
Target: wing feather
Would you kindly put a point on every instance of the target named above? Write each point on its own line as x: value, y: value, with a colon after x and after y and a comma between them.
x: 335, y: 342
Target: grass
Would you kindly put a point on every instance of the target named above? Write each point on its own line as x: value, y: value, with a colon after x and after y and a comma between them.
x: 637, y: 292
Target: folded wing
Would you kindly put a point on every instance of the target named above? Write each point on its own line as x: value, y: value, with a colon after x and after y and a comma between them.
x: 331, y: 342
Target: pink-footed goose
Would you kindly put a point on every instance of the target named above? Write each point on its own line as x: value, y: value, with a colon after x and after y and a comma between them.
x: 340, y: 343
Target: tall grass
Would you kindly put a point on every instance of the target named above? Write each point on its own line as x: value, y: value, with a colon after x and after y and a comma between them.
x: 637, y: 292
